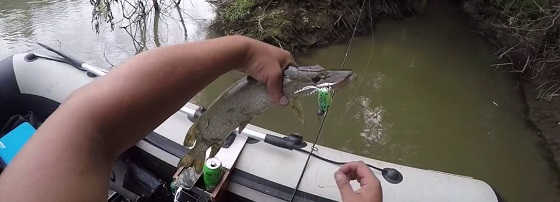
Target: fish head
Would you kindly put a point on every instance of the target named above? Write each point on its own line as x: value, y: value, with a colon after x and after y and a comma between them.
x: 297, y: 78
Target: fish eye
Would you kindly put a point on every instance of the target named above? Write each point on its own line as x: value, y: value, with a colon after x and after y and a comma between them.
x: 316, y: 79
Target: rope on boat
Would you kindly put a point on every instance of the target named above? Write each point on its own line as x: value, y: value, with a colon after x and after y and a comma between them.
x: 333, y: 161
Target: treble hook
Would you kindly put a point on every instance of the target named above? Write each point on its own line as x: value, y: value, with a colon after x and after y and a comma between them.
x: 315, y: 88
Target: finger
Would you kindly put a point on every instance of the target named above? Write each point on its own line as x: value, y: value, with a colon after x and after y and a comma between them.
x: 349, y: 169
x: 356, y: 170
x: 343, y: 184
x: 364, y: 174
x: 288, y: 59
x: 274, y: 86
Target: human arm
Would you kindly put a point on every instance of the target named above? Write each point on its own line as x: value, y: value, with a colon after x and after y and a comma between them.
x: 370, y: 188
x: 70, y: 156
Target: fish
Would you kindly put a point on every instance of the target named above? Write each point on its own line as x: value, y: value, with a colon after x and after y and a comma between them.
x: 240, y: 103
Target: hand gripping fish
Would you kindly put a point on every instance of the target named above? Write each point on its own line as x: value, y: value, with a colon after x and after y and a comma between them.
x: 239, y: 104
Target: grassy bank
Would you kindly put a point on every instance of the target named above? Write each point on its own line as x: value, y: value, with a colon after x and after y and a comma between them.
x: 300, y: 25
x: 526, y: 33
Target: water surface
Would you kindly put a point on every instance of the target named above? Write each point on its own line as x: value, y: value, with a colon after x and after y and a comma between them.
x: 67, y: 25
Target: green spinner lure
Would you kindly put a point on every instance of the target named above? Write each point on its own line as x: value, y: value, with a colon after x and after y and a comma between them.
x: 324, y: 95
x: 324, y: 99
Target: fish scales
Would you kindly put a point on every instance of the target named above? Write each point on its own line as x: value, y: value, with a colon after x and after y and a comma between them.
x: 242, y: 102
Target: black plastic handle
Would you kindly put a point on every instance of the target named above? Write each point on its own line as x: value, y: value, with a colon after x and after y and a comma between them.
x: 289, y: 142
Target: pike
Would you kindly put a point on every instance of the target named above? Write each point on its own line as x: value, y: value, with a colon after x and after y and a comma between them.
x: 242, y: 102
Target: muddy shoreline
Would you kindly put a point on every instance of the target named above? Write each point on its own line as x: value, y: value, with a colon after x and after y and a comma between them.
x: 298, y: 26
x: 545, y: 117
x: 543, y: 107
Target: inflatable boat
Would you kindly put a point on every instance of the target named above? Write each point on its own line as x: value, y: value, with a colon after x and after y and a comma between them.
x: 260, y: 166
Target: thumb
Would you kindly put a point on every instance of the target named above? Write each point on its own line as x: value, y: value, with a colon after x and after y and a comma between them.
x: 343, y: 185
x: 274, y: 86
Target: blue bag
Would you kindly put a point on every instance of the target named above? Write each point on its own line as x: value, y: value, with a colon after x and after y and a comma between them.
x: 13, y: 141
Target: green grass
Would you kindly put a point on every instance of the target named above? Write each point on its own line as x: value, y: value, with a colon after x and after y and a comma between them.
x: 239, y: 9
x: 531, y: 9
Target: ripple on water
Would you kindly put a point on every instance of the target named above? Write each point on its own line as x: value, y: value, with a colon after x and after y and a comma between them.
x: 373, y: 130
x: 376, y: 81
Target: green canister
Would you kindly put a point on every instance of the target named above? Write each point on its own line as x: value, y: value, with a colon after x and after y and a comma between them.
x: 212, y: 173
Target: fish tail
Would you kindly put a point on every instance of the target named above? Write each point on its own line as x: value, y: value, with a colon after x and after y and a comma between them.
x: 186, y: 161
x: 195, y: 157
x: 195, y: 160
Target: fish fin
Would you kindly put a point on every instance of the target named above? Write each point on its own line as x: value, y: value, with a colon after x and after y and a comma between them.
x: 198, y: 161
x: 186, y: 161
x: 190, y: 139
x: 214, y: 150
x: 242, y: 126
x: 229, y: 140
x: 297, y: 108
x: 231, y: 137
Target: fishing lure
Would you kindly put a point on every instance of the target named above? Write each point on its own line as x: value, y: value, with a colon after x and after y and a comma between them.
x: 324, y: 95
x: 324, y: 99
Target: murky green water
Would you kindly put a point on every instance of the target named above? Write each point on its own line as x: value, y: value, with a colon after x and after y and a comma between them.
x: 424, y: 95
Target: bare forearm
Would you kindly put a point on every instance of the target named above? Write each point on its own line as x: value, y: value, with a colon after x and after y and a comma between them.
x: 77, y: 144
x: 141, y: 93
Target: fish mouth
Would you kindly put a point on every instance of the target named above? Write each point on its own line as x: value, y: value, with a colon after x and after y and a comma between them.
x: 340, y: 78
x: 331, y: 79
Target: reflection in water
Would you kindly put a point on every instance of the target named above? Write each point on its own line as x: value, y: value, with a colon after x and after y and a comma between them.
x: 24, y: 29
x: 181, y: 19
x: 67, y: 25
x: 157, y: 13
x: 135, y: 18
x: 101, y: 12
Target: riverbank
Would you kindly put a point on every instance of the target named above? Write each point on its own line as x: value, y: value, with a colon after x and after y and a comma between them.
x: 545, y: 115
x: 298, y: 26
x: 526, y: 34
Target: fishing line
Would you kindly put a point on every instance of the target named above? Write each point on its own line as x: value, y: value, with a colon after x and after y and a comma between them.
x: 310, y: 153
x: 323, y: 118
x: 349, y: 46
